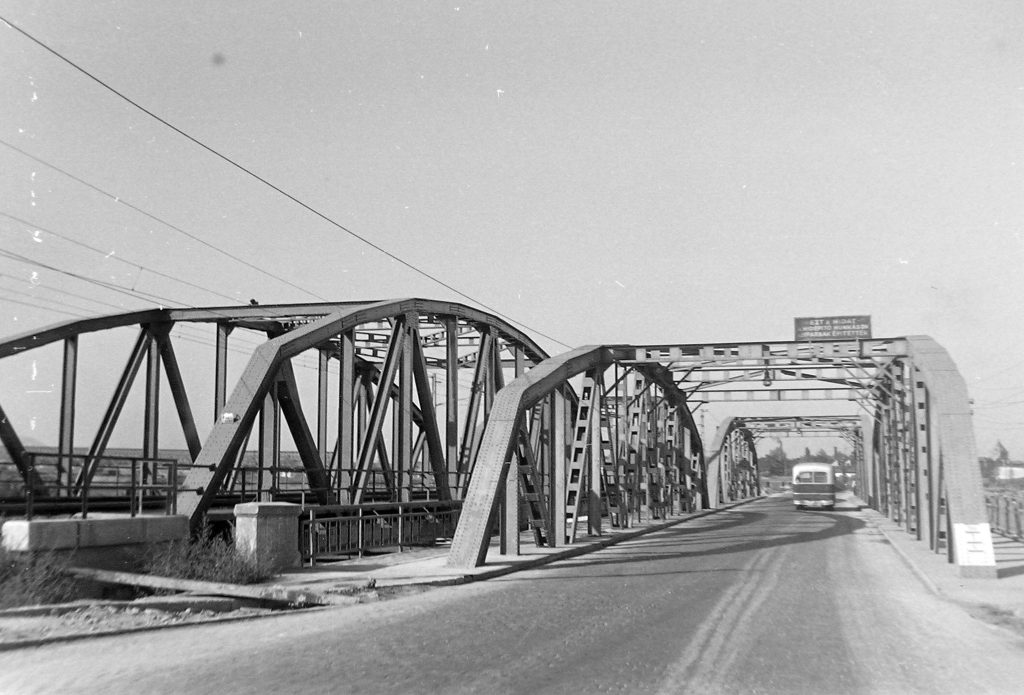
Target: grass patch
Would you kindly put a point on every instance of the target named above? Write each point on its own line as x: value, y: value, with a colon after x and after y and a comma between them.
x: 209, y: 559
x: 28, y: 579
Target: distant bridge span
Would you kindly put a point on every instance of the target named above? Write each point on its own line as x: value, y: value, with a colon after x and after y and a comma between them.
x: 411, y: 403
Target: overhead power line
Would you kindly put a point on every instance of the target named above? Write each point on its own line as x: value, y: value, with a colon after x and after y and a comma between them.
x: 121, y: 201
x: 44, y: 308
x: 270, y: 185
x: 134, y: 294
x: 121, y: 259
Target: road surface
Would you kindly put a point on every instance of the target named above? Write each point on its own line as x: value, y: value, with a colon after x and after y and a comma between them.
x: 757, y: 599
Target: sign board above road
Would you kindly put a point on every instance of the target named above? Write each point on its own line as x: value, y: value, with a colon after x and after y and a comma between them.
x: 833, y: 328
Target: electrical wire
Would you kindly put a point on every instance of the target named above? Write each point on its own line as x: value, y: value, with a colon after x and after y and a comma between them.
x: 102, y: 283
x: 304, y: 363
x: 270, y: 185
x: 126, y: 261
x: 44, y: 308
x: 121, y: 201
x: 30, y: 295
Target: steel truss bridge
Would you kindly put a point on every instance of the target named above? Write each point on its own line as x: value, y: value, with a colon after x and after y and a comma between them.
x: 417, y: 400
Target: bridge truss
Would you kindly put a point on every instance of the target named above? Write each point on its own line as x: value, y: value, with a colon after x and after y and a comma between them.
x: 419, y: 399
x: 377, y: 433
x: 914, y: 442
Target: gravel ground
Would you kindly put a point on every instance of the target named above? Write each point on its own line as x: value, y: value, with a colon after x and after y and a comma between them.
x: 95, y: 620
x: 39, y: 624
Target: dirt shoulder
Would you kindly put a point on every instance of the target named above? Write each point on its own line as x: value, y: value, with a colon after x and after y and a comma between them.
x: 38, y: 625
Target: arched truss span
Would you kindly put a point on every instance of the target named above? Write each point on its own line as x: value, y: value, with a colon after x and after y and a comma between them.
x: 732, y: 463
x: 382, y: 435
x: 627, y: 448
x: 917, y: 462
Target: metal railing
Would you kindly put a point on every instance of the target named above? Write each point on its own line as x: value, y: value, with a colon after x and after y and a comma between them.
x: 136, y: 479
x: 1006, y: 515
x: 343, y: 531
x: 252, y: 482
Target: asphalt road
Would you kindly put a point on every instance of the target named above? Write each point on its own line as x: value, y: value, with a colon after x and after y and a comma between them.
x: 758, y: 599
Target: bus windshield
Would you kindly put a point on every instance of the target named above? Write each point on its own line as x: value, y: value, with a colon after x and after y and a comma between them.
x: 812, y: 477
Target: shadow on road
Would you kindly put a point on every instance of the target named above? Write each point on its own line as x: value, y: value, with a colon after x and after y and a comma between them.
x: 834, y: 525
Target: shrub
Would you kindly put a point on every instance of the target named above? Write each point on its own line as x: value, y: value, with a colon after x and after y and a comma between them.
x: 210, y: 559
x: 34, y: 578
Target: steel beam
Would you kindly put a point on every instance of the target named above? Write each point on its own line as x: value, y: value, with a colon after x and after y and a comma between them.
x: 113, y: 412
x: 220, y: 377
x: 151, y: 412
x: 382, y: 399
x: 19, y: 456
x: 347, y: 394
x: 178, y: 392
x: 403, y: 417
x: 309, y: 453
x: 322, y: 405
x: 66, y: 443
x: 435, y: 449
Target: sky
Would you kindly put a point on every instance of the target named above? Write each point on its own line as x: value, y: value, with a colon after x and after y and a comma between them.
x: 600, y: 172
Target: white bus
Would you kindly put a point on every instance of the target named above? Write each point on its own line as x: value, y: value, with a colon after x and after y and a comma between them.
x: 814, y: 485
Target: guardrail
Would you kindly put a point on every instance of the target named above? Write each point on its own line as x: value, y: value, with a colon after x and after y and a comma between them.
x: 250, y: 482
x: 132, y: 477
x: 1006, y: 515
x: 343, y: 531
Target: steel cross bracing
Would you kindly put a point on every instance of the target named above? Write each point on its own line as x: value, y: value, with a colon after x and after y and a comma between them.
x: 794, y: 371
x: 845, y: 427
x: 387, y: 419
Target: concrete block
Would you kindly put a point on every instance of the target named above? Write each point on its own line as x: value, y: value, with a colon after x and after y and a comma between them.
x: 95, y: 533
x: 40, y: 534
x: 269, y: 533
x: 160, y: 529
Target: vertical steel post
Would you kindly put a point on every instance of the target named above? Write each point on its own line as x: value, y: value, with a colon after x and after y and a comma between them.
x: 510, y: 508
x: 270, y: 445
x: 557, y: 458
x: 451, y: 399
x: 403, y: 417
x: 220, y: 378
x: 66, y: 448
x: 596, y: 464
x: 925, y: 462
x: 346, y: 422
x: 151, y: 414
x: 322, y: 395
x: 133, y: 488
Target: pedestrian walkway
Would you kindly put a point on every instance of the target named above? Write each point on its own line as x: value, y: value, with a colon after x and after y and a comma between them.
x: 1004, y: 594
x: 429, y: 565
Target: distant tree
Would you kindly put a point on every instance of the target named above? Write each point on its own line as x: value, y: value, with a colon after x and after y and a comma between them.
x: 1000, y: 454
x: 774, y: 462
x: 989, y: 468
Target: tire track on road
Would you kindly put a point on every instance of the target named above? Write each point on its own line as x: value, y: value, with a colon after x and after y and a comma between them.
x: 713, y: 649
